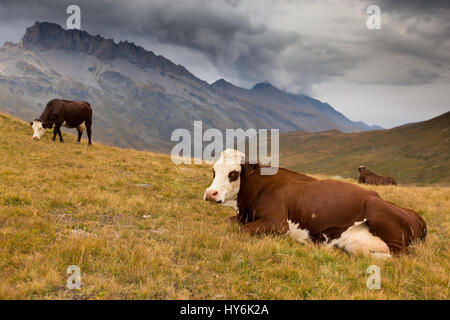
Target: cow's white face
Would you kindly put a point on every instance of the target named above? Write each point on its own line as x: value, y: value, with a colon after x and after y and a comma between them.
x: 38, y: 130
x: 226, y: 179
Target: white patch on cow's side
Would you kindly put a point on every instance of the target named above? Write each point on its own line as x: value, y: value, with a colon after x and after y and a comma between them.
x: 298, y: 234
x: 358, y: 239
x: 230, y: 160
x: 38, y: 130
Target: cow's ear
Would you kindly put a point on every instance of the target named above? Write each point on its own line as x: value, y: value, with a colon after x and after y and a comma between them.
x: 47, y: 125
x: 31, y: 123
x: 251, y: 168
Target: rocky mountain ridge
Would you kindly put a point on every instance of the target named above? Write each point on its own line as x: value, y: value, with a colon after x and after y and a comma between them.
x: 138, y: 97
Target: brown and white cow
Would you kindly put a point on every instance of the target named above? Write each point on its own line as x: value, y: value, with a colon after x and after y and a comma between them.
x: 70, y: 114
x: 335, y: 213
x: 368, y: 177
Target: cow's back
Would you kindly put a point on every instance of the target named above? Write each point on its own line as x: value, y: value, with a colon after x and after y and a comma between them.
x: 71, y: 107
x: 73, y: 113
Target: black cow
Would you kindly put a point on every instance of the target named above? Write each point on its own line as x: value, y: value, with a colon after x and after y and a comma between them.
x: 70, y: 114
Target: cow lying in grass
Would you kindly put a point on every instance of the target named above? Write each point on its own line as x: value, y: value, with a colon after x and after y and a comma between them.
x: 368, y: 177
x: 334, y: 213
x: 69, y: 114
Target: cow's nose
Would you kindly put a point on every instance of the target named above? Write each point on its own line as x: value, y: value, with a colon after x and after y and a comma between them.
x: 211, y: 195
x: 35, y: 138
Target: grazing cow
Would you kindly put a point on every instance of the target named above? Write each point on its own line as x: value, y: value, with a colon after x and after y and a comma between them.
x: 335, y: 213
x: 70, y: 114
x: 365, y: 176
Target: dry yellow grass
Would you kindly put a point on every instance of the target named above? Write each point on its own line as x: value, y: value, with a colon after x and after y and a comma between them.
x: 184, y: 248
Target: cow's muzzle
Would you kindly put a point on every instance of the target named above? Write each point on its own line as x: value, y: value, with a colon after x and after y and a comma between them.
x: 212, y: 195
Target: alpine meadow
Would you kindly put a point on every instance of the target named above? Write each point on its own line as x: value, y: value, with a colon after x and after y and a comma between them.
x: 138, y: 228
x: 225, y: 158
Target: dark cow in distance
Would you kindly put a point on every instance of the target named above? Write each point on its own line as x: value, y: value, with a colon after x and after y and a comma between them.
x: 70, y: 114
x: 367, y: 177
x: 335, y: 213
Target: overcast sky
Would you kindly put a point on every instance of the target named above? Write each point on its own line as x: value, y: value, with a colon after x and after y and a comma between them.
x: 391, y: 76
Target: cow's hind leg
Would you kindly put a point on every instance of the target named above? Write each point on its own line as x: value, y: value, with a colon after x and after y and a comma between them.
x: 396, y: 226
x: 80, y: 133
x: 89, y: 130
x: 359, y: 239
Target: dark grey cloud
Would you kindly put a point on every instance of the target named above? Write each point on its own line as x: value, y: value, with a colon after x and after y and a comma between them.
x: 242, y: 48
x: 251, y: 49
x: 412, y: 6
x: 417, y: 35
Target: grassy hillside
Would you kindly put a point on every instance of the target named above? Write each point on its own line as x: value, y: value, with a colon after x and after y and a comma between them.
x: 417, y: 153
x: 67, y: 204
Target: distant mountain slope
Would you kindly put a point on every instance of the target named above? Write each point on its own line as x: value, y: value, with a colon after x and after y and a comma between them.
x: 138, y: 97
x: 413, y: 153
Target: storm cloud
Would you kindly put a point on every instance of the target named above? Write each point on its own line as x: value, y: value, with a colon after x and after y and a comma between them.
x: 299, y: 46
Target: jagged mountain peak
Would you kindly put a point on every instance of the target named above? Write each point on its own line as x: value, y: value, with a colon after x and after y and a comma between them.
x: 49, y: 36
x: 223, y: 84
x: 220, y: 83
x: 263, y: 85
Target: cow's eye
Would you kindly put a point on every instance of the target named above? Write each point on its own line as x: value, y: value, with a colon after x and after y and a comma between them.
x: 214, y: 174
x: 233, y: 175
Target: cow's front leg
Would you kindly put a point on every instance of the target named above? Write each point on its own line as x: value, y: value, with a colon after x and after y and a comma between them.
x: 59, y: 134
x: 264, y: 226
x: 234, y: 219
